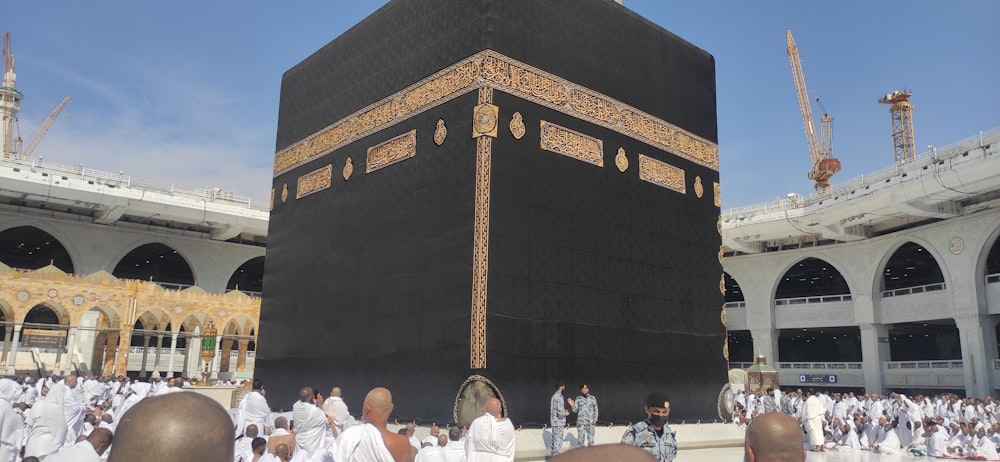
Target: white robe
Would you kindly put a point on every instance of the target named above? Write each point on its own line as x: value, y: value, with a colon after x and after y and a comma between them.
x: 362, y: 443
x: 79, y: 452
x: 254, y: 410
x: 812, y: 414
x: 11, y: 425
x: 341, y: 416
x: 430, y: 454
x: 489, y: 440
x: 73, y: 410
x: 47, y: 428
x: 310, y: 428
x: 889, y: 444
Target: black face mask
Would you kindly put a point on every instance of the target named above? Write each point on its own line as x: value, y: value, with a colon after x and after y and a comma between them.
x: 658, y: 420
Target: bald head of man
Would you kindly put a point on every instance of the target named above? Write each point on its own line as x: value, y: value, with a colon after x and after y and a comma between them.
x: 172, y: 427
x: 494, y: 407
x: 378, y: 406
x: 605, y: 453
x: 773, y: 437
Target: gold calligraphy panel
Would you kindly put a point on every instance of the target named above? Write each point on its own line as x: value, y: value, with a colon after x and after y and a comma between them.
x: 314, y: 181
x: 397, y: 149
x: 661, y: 174
x: 567, y: 142
x: 489, y: 69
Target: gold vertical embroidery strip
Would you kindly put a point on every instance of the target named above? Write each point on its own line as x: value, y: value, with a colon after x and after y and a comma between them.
x: 480, y: 246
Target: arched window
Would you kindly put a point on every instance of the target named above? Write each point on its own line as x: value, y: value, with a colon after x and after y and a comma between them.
x: 811, y: 277
x: 28, y: 247
x: 911, y: 266
x: 157, y: 262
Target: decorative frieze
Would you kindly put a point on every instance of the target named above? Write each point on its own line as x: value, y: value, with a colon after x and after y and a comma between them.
x: 573, y: 144
x: 661, y: 174
x: 314, y: 181
x: 389, y: 152
x: 489, y: 69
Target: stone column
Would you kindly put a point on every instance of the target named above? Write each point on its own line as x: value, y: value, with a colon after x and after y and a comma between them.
x: 6, y: 342
x: 191, y: 355
x: 874, y: 352
x: 227, y: 350
x: 145, y: 354
x: 765, y: 342
x: 173, y: 351
x: 159, y: 348
x: 121, y: 355
x: 974, y: 332
x: 71, y: 345
x: 214, y: 367
x: 241, y: 355
x: 16, y: 339
x: 54, y: 368
x: 110, y: 353
x: 97, y: 353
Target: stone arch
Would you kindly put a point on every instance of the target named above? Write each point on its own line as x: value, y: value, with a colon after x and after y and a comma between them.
x: 156, y: 261
x: 733, y: 291
x: 105, y: 337
x: 249, y: 277
x: 902, y: 258
x: 33, y: 246
x: 39, y: 312
x: 810, y: 276
x: 988, y: 262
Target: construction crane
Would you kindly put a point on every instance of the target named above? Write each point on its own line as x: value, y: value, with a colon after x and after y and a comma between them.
x: 823, y: 166
x: 902, y: 124
x: 44, y: 128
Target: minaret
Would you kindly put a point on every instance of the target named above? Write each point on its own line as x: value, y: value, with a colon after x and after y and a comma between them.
x: 10, y: 103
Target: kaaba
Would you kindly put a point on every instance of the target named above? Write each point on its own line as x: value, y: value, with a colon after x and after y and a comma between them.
x: 526, y: 191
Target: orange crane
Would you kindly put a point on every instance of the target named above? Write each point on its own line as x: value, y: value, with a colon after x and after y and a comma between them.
x: 902, y: 124
x: 44, y: 129
x: 823, y: 166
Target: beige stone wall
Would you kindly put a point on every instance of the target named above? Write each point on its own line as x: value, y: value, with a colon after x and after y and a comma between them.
x: 121, y: 302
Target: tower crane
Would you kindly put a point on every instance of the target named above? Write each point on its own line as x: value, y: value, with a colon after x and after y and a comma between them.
x: 44, y: 128
x: 902, y: 124
x: 823, y: 166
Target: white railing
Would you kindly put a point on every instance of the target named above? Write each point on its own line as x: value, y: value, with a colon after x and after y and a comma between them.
x: 952, y: 150
x: 741, y: 304
x: 943, y: 364
x: 814, y: 299
x: 821, y: 365
x: 123, y: 180
x: 991, y: 278
x: 914, y: 290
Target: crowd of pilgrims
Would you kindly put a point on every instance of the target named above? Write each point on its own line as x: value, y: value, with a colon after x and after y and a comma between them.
x: 945, y: 425
x: 55, y: 418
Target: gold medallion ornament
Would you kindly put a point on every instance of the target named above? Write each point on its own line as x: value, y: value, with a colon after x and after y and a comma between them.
x: 440, y: 132
x: 718, y: 225
x: 484, y: 120
x: 725, y: 322
x: 699, y: 190
x: 284, y: 193
x: 722, y: 284
x: 348, y: 169
x: 621, y: 160
x: 721, y: 252
x: 517, y: 126
x: 725, y: 350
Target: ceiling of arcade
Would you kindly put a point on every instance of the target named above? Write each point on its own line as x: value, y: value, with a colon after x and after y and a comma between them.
x: 123, y: 302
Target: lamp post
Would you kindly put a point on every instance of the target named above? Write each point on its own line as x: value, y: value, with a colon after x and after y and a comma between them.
x: 208, y: 351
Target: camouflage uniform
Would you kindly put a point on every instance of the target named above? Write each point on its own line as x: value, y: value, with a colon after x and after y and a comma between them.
x: 557, y: 417
x: 586, y: 417
x: 662, y: 447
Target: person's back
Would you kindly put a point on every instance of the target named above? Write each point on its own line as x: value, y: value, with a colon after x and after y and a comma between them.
x: 280, y: 435
x: 373, y: 440
x: 773, y: 437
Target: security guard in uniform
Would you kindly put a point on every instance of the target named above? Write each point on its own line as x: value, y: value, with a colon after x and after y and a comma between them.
x: 585, y: 407
x: 653, y: 435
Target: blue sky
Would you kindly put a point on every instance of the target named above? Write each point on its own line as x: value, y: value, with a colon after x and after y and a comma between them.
x: 186, y: 92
